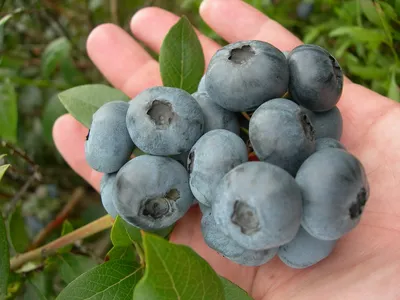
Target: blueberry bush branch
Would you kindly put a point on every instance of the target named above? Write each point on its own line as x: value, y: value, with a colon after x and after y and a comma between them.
x: 47, y: 250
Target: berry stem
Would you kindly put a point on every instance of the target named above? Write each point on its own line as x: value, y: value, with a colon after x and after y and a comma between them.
x: 51, y: 248
x: 60, y: 218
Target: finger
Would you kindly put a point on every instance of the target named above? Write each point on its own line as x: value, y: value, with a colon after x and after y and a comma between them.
x: 151, y: 25
x: 236, y: 20
x: 69, y: 137
x: 121, y: 59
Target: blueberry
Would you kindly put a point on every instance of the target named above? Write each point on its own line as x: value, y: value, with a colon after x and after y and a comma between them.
x: 204, y: 208
x: 164, y: 121
x: 216, y: 117
x: 108, y: 145
x: 108, y: 192
x: 305, y: 250
x: 282, y: 134
x: 152, y: 192
x: 202, y: 84
x: 304, y: 9
x: 335, y: 190
x: 316, y: 78
x: 327, y: 124
x: 227, y: 247
x: 214, y: 154
x: 325, y: 143
x: 243, y: 75
x: 258, y: 205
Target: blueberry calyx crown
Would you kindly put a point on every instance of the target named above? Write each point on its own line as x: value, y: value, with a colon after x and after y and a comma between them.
x: 242, y: 54
x: 245, y: 217
x: 159, y: 207
x: 161, y: 113
x: 357, y: 207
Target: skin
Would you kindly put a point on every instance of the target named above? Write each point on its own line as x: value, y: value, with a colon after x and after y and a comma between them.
x: 360, y: 267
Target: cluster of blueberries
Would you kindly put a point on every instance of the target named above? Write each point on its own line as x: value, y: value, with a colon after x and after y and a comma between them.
x: 301, y: 194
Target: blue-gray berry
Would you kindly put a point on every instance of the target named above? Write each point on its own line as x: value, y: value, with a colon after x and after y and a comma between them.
x: 108, y: 192
x: 152, y: 192
x: 202, y: 84
x: 108, y: 145
x: 282, y: 134
x: 305, y: 250
x: 243, y: 75
x: 328, y: 124
x: 325, y: 143
x: 335, y: 190
x: 164, y: 121
x: 227, y: 247
x: 316, y: 78
x: 216, y: 117
x: 258, y: 205
x: 214, y: 154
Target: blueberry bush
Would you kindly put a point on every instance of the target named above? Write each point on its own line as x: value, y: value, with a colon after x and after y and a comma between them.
x: 55, y: 235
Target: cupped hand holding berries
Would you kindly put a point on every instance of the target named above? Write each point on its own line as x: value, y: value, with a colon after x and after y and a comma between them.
x: 365, y: 264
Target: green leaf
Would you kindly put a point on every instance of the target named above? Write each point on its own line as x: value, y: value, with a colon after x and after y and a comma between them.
x: 394, y: 90
x: 115, y: 280
x: 4, y: 259
x: 73, y: 266
x: 181, y: 57
x: 51, y: 112
x: 359, y: 34
x: 176, y: 272
x: 3, y: 170
x: 54, y: 54
x: 118, y: 252
x: 16, y: 228
x: 123, y: 234
x: 66, y: 228
x: 83, y: 101
x: 370, y: 12
x: 8, y: 111
x: 367, y: 72
x: 37, y: 286
x: 233, y: 292
x: 397, y: 6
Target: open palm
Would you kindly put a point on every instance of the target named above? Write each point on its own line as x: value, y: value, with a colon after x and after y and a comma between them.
x: 366, y: 262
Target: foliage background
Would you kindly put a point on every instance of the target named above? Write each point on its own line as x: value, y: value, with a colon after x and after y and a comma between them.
x: 42, y: 52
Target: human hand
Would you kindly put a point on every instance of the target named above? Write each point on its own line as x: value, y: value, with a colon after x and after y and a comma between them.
x: 366, y: 262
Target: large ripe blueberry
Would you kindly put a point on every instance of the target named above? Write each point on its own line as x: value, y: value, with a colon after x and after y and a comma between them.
x: 325, y: 143
x: 243, y: 75
x: 335, y: 190
x: 328, y: 124
x: 164, y: 121
x: 108, y: 145
x: 228, y: 248
x: 108, y: 192
x: 258, y: 205
x: 214, y: 154
x: 305, y: 250
x: 216, y: 117
x: 316, y: 78
x: 282, y: 134
x: 152, y: 192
